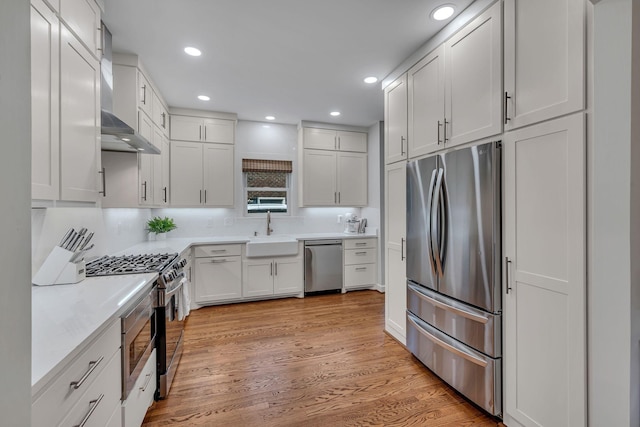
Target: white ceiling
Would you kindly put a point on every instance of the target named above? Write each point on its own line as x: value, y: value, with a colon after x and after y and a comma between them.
x: 293, y: 59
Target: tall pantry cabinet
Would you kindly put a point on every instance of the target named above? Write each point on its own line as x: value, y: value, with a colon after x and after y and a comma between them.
x: 65, y: 100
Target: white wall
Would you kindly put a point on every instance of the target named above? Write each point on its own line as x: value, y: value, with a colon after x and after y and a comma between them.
x: 15, y: 192
x: 613, y: 320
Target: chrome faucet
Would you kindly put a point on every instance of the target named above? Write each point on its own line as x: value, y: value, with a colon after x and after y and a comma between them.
x: 269, y: 229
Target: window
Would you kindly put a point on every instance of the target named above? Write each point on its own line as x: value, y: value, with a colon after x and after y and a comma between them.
x: 266, y: 185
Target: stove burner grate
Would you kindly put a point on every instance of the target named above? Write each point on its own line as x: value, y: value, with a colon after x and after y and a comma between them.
x: 130, y: 264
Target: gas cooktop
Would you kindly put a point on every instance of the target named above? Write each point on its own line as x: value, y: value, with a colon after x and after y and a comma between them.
x: 130, y: 264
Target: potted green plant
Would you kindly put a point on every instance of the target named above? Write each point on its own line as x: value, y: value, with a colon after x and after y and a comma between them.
x: 160, y: 226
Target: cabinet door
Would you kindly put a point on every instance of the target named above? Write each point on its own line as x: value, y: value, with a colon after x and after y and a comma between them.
x: 185, y: 128
x: 219, y: 131
x: 186, y: 173
x: 287, y: 276
x: 159, y: 117
x: 218, y: 279
x: 546, y: 78
x: 352, y: 179
x: 83, y: 18
x: 352, y: 141
x: 319, y: 139
x: 218, y: 175
x: 79, y: 120
x: 257, y: 277
x: 145, y: 178
x: 163, y: 181
x: 395, y: 224
x: 545, y: 274
x: 145, y: 127
x: 319, y: 178
x: 145, y: 95
x: 395, y: 121
x: 45, y: 116
x: 474, y: 79
x: 426, y: 104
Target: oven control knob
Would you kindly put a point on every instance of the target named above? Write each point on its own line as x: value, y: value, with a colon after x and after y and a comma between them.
x: 182, y: 262
x: 169, y: 276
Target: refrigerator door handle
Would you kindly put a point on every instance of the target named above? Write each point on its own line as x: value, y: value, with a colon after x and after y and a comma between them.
x: 435, y: 226
x: 432, y: 261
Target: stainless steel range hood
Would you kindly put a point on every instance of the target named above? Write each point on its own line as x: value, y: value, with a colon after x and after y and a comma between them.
x: 116, y: 134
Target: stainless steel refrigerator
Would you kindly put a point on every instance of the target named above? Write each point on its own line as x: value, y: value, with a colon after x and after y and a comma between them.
x: 453, y: 270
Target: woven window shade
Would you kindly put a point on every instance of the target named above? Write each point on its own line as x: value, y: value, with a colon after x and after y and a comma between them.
x: 258, y: 165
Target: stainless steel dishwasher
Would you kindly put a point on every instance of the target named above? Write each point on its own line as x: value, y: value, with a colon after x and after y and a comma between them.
x: 322, y: 266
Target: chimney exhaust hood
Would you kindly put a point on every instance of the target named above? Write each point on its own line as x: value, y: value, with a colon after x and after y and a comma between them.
x: 116, y: 134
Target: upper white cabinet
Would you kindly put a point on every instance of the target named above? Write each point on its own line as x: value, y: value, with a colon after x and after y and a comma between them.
x: 337, y: 140
x: 201, y: 129
x: 145, y: 94
x: 82, y: 17
x: 473, y: 80
x: 426, y: 119
x: 544, y: 65
x: 160, y: 115
x: 45, y: 92
x: 395, y: 121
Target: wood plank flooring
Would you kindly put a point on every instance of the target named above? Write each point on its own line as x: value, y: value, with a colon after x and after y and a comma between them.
x: 318, y: 361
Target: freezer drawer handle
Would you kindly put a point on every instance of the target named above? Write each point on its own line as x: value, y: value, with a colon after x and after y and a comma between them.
x: 459, y: 311
x: 471, y: 358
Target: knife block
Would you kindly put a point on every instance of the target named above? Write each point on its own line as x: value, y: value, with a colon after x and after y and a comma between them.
x: 58, y: 269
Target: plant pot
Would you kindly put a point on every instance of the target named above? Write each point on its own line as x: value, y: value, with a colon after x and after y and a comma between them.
x: 161, y: 237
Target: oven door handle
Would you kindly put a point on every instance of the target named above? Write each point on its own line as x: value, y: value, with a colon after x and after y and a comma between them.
x: 168, y: 295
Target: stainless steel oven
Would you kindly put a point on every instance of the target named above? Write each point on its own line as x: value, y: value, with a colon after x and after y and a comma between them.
x: 138, y: 339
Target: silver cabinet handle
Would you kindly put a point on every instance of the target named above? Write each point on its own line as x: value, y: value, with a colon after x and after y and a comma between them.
x: 402, y: 249
x: 146, y: 383
x: 92, y: 367
x: 104, y: 183
x: 144, y: 94
x: 361, y: 253
x: 508, y: 272
x: 219, y: 261
x: 205, y: 195
x: 271, y: 273
x: 164, y: 120
x: 200, y: 136
x: 200, y: 196
x: 439, y: 126
x: 165, y: 194
x: 276, y: 268
x: 94, y: 404
x: 471, y: 358
x: 445, y: 130
x: 338, y: 143
x: 338, y: 197
x: 144, y: 185
x: 506, y: 107
x: 217, y: 251
x: 402, y: 141
x: 335, y: 197
x: 361, y: 268
x: 361, y: 243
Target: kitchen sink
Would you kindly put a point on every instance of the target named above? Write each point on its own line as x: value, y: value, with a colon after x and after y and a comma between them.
x: 268, y: 246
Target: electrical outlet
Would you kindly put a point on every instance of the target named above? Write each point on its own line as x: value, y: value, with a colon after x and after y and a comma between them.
x: 228, y: 222
x: 339, y: 219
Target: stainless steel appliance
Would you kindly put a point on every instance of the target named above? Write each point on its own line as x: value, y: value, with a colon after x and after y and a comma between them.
x: 453, y: 270
x: 167, y: 329
x: 138, y: 340
x: 322, y: 266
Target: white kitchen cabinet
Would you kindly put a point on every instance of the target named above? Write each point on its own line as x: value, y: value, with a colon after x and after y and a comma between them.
x: 473, y: 79
x: 360, y: 263
x: 79, y: 121
x: 544, y: 65
x: 145, y: 179
x: 121, y: 174
x: 395, y: 244
x: 545, y: 274
x: 329, y: 139
x: 201, y: 174
x: 145, y: 94
x: 395, y: 120
x: 153, y: 173
x: 99, y: 364
x: 141, y: 395
x: 201, y: 129
x: 218, y: 273
x: 45, y: 92
x: 332, y: 178
x: 272, y: 276
x: 82, y: 17
x: 160, y: 115
x: 426, y: 117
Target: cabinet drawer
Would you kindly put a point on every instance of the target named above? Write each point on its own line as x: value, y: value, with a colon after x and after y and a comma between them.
x: 217, y: 250
x: 60, y: 396
x: 99, y: 400
x: 360, y: 274
x: 141, y: 397
x: 359, y: 243
x: 360, y: 256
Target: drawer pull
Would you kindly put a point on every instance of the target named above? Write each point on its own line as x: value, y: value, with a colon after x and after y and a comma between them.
x: 361, y: 243
x: 361, y: 253
x: 216, y: 251
x: 146, y: 383
x: 464, y: 313
x: 94, y: 404
x: 218, y: 261
x: 92, y: 366
x: 361, y: 269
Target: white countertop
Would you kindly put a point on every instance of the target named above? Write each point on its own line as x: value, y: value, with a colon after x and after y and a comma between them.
x: 64, y: 317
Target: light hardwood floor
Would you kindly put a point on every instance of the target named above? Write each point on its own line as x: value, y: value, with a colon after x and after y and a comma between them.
x: 318, y: 361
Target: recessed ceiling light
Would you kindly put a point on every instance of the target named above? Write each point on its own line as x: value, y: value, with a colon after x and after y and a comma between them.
x: 335, y: 113
x: 442, y: 12
x: 192, y: 51
x: 270, y: 118
x: 203, y: 97
x: 370, y: 80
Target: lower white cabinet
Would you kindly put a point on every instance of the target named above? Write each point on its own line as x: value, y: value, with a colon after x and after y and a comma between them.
x: 141, y: 396
x: 360, y: 263
x: 218, y: 273
x: 89, y: 387
x: 272, y: 276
